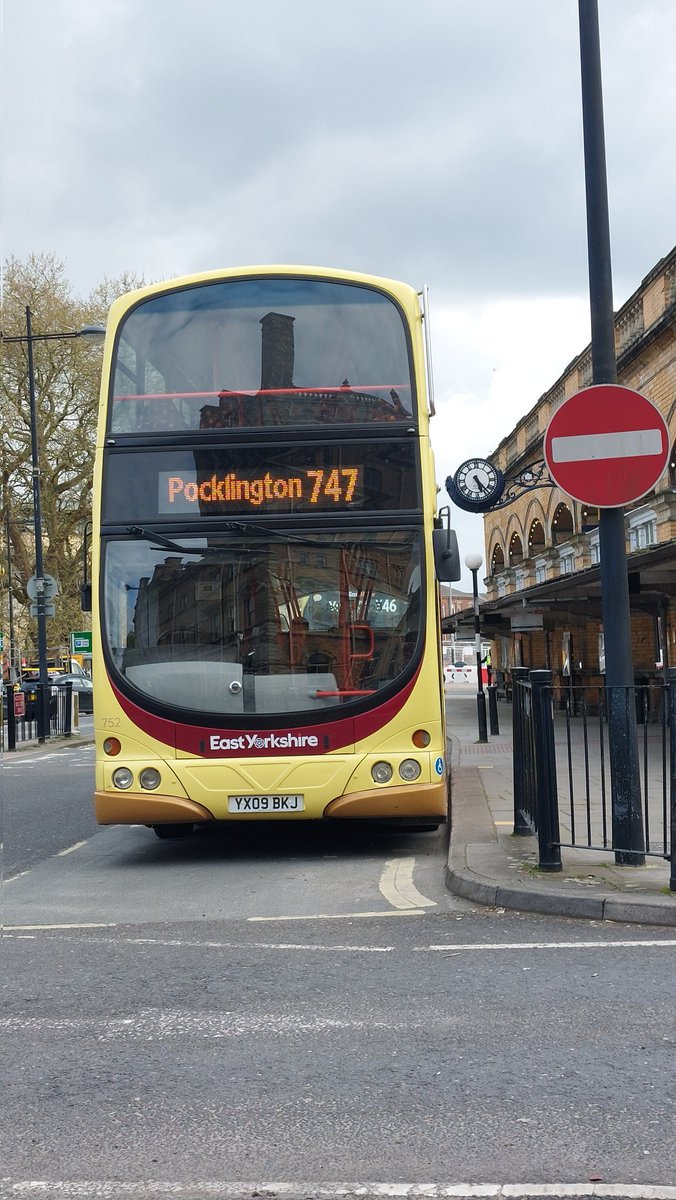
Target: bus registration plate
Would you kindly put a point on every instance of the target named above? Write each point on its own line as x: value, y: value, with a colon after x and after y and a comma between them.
x: 263, y: 804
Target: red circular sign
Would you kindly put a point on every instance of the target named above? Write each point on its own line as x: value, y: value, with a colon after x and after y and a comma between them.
x: 606, y: 446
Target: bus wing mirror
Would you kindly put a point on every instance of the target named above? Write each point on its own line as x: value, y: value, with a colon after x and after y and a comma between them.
x: 86, y: 597
x: 446, y: 553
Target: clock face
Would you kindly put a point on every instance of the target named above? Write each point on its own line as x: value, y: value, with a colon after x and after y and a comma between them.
x: 476, y: 479
x: 476, y: 485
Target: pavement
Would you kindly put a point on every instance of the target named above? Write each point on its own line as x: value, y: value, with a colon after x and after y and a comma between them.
x: 489, y: 865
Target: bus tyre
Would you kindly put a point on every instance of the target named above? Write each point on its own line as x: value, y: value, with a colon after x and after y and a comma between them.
x: 174, y: 831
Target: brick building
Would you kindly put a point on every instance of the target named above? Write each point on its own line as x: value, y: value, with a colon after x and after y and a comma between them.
x: 543, y: 604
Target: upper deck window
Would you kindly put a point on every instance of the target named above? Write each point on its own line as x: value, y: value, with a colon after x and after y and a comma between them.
x: 250, y: 353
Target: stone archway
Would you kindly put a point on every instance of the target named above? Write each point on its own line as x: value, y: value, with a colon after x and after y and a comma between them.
x: 536, y: 538
x: 515, y: 550
x: 562, y: 524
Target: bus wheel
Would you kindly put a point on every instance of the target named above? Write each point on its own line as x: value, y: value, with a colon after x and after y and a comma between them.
x: 181, y: 830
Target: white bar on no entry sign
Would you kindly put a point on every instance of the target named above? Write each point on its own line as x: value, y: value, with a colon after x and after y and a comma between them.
x: 632, y: 443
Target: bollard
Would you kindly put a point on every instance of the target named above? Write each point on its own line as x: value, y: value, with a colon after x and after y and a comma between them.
x: 672, y: 764
x: 547, y: 800
x: 11, y: 717
x: 522, y: 826
x: 493, y: 709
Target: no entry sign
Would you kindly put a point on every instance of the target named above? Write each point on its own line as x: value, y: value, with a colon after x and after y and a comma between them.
x: 606, y: 446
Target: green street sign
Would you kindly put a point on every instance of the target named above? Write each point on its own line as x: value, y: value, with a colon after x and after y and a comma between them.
x: 81, y: 643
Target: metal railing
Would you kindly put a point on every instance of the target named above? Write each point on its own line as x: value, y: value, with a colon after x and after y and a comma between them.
x: 28, y: 716
x: 562, y: 783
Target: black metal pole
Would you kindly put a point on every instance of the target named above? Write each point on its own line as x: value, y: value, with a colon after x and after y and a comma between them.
x: 10, y: 597
x: 671, y: 673
x: 43, y: 674
x: 480, y: 696
x: 623, y: 749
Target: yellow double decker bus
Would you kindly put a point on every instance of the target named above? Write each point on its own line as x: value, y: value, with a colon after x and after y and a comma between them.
x: 265, y: 540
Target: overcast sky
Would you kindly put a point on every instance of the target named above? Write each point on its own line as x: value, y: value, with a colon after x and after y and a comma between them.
x: 438, y: 142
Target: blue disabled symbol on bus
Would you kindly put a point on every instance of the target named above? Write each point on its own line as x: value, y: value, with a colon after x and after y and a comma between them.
x: 439, y: 766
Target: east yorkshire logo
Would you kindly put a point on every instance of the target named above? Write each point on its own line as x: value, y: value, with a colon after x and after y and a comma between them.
x: 268, y: 741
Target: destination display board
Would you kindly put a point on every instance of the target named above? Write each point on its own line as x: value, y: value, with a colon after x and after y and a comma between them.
x: 216, y: 482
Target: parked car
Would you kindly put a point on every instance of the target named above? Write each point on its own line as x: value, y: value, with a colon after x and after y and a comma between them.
x: 84, y: 688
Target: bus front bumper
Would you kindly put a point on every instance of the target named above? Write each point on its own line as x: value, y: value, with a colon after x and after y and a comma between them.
x: 426, y: 801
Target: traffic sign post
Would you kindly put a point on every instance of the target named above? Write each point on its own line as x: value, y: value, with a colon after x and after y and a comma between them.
x: 628, y: 834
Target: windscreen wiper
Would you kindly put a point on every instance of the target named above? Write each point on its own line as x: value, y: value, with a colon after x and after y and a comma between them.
x: 165, y: 543
x: 251, y: 528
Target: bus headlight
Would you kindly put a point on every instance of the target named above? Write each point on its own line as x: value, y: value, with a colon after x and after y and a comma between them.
x: 149, y: 779
x: 123, y: 778
x: 381, y: 772
x: 409, y: 770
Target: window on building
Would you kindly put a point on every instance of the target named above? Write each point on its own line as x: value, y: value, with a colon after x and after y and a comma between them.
x: 642, y: 530
x: 567, y: 563
x: 540, y: 572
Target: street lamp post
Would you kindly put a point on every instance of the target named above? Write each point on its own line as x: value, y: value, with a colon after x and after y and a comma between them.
x: 43, y: 674
x: 473, y: 562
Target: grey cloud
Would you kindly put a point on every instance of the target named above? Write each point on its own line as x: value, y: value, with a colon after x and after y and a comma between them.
x: 440, y: 143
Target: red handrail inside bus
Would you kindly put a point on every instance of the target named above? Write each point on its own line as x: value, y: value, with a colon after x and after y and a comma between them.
x: 347, y: 692
x: 254, y: 392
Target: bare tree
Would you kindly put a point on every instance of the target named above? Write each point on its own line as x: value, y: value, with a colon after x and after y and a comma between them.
x: 67, y: 381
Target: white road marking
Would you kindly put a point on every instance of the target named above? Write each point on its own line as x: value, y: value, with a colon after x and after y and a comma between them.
x: 68, y: 925
x: 256, y: 946
x: 458, y: 947
x: 631, y: 443
x: 397, y: 886
x: 437, y: 947
x: 11, y: 878
x: 408, y: 912
x: 69, y: 849
x: 160, y: 1189
x: 158, y: 1024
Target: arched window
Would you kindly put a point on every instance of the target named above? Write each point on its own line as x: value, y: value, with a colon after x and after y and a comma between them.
x: 562, y: 525
x: 497, y: 560
x: 536, y: 538
x: 515, y: 550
